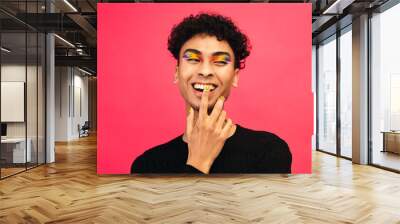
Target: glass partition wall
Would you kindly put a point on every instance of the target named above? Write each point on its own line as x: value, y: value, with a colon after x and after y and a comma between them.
x: 345, y: 93
x: 22, y: 88
x: 327, y: 95
x: 334, y: 93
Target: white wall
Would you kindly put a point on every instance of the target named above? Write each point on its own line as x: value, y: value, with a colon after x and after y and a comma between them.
x: 79, y: 117
x: 61, y: 103
x: 12, y: 73
x: 71, y: 92
x: 16, y: 72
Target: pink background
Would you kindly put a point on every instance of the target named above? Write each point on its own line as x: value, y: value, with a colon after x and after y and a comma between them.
x: 139, y: 106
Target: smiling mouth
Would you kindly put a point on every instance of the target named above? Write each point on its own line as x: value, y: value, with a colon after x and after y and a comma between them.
x: 201, y: 86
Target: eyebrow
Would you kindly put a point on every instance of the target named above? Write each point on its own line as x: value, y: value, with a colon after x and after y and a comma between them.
x: 213, y: 54
x: 192, y: 50
x: 218, y: 53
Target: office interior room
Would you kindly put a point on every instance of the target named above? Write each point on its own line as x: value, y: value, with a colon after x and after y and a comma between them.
x: 49, y: 124
x: 46, y: 86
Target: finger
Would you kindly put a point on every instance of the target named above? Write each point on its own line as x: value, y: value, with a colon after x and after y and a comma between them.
x: 220, y: 121
x: 204, y: 104
x: 227, y: 127
x: 219, y: 105
x: 233, y: 129
x: 189, y: 121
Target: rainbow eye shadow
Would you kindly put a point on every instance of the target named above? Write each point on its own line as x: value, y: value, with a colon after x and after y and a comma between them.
x: 191, y: 56
x: 221, y: 58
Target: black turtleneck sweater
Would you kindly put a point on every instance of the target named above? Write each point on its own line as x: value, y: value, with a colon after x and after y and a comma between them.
x: 246, y: 151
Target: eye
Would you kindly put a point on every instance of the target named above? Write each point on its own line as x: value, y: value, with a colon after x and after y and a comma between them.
x: 193, y: 60
x: 220, y: 62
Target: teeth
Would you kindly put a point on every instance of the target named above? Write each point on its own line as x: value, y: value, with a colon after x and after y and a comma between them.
x: 202, y: 86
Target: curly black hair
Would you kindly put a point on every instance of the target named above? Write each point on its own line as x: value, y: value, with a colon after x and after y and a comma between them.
x: 214, y: 25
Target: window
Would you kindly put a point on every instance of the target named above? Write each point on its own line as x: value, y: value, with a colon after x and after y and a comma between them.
x: 385, y: 88
x: 346, y: 92
x: 327, y: 95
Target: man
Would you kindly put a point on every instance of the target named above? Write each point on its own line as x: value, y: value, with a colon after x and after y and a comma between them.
x: 210, y: 50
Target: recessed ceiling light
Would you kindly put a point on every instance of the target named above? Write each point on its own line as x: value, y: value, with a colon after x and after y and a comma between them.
x: 64, y: 40
x: 5, y: 50
x: 70, y: 5
x: 337, y: 7
x: 84, y: 71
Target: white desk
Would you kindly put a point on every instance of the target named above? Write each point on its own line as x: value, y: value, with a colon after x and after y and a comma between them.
x: 18, y: 149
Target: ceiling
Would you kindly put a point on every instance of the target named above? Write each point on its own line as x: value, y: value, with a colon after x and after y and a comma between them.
x: 76, y: 22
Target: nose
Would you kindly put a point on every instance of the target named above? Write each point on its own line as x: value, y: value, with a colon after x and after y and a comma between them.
x: 206, y: 69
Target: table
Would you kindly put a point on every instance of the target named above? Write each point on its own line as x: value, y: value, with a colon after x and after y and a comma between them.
x: 15, y: 148
x: 391, y: 141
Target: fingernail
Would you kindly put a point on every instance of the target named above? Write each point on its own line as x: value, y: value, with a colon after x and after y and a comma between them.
x: 222, y: 98
x: 206, y: 88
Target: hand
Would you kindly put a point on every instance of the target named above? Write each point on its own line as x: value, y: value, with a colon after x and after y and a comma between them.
x: 208, y: 134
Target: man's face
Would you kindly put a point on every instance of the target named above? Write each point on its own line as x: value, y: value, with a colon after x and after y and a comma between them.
x: 203, y: 60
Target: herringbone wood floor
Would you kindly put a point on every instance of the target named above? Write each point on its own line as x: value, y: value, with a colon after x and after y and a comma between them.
x: 70, y: 191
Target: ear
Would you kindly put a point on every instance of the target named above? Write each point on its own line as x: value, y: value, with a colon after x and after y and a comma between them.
x: 235, y: 81
x: 176, y: 74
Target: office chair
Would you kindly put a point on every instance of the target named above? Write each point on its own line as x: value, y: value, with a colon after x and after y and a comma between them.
x: 84, y: 130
